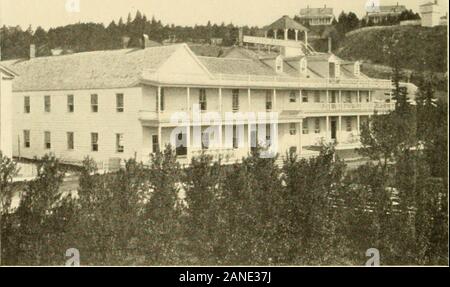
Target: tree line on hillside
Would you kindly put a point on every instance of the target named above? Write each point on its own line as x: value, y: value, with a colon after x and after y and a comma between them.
x: 306, y: 212
x: 15, y: 41
x: 80, y: 37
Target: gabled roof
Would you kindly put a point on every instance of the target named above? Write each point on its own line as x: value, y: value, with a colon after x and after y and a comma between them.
x: 89, y: 70
x: 286, y: 22
x: 314, y: 12
x: 429, y: 4
x: 389, y: 9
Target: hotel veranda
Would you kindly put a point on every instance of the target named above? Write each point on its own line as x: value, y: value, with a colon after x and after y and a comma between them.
x: 120, y: 104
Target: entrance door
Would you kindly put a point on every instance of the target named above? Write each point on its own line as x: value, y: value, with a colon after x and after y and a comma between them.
x: 181, y: 144
x: 333, y: 129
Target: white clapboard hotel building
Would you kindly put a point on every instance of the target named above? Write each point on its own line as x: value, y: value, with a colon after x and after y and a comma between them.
x: 120, y: 104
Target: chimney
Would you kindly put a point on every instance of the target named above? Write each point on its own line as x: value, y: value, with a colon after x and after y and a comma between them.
x: 241, y: 37
x: 145, y: 41
x: 330, y: 43
x: 125, y: 41
x: 32, y: 51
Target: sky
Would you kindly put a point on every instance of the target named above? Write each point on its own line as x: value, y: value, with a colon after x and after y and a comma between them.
x: 53, y: 13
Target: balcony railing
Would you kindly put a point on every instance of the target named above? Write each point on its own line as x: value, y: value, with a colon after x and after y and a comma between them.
x: 342, y: 107
x: 265, y: 81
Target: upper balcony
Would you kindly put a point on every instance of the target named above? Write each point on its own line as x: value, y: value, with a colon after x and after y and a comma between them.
x: 282, y: 81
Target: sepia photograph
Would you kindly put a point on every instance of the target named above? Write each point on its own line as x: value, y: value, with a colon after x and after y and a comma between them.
x: 223, y: 133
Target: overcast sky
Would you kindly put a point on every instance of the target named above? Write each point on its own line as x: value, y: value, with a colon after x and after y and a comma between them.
x: 52, y: 13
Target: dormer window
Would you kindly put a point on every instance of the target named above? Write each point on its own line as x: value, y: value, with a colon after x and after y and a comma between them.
x: 334, y: 67
x: 357, y: 69
x: 303, y: 66
x: 338, y: 69
x: 279, y: 64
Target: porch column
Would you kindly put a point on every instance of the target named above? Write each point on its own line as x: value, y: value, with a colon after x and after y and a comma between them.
x: 249, y: 136
x: 300, y: 134
x: 160, y: 138
x: 158, y: 103
x: 220, y: 103
x: 249, y: 100
x: 296, y: 35
x: 327, y: 128
x: 358, y: 124
x: 306, y: 38
x: 188, y: 101
x: 338, y: 136
x: 275, y: 32
x: 265, y: 34
x: 220, y: 129
x: 188, y: 143
x: 359, y: 96
x: 274, y: 108
x: 286, y: 34
x: 340, y: 99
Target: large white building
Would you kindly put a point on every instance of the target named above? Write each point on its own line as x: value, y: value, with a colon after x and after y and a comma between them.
x: 123, y: 103
x: 431, y: 14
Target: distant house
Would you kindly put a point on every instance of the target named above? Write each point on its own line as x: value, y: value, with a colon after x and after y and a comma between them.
x: 379, y: 14
x: 431, y: 14
x: 316, y: 16
x: 216, y: 41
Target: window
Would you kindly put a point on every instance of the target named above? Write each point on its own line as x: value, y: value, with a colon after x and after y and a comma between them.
x: 202, y: 99
x: 119, y: 103
x: 317, y: 126
x: 70, y: 141
x: 155, y: 144
x: 305, y: 96
x: 94, y: 141
x: 279, y: 64
x: 235, y: 104
x: 94, y: 103
x: 119, y: 143
x: 292, y: 129
x: 162, y: 97
x: 26, y: 105
x: 269, y: 100
x: 26, y: 139
x: 303, y: 66
x: 47, y: 104
x: 47, y: 140
x: 348, y: 124
x: 292, y: 97
x: 70, y: 104
x: 205, y: 140
x: 348, y: 97
x: 317, y: 96
x: 235, y: 137
x: 305, y: 129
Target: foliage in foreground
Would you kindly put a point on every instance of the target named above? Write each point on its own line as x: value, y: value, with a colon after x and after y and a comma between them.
x: 306, y: 212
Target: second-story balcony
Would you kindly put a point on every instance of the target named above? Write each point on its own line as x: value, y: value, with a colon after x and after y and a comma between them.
x: 346, y: 107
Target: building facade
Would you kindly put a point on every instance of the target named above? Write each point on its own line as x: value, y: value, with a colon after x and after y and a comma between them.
x: 130, y: 103
x: 431, y: 14
x: 6, y: 115
x: 316, y: 16
x: 378, y: 14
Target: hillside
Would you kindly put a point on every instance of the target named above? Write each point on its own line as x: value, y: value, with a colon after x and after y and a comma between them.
x: 417, y: 45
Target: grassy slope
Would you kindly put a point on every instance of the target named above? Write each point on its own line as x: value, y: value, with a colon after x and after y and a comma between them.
x: 417, y: 45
